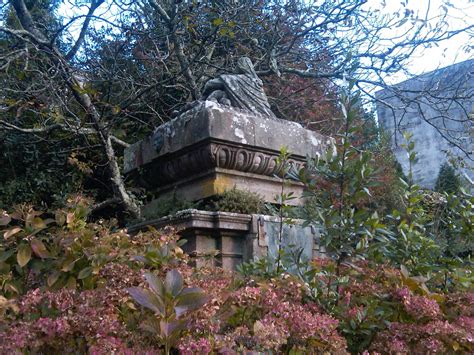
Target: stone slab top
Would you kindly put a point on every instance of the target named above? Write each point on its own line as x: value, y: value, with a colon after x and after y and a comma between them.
x: 193, y: 218
x: 209, y: 121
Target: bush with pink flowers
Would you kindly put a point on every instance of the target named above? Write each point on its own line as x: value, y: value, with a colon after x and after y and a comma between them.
x: 376, y: 308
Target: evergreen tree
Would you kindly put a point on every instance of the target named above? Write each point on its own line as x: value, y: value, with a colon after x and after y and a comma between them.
x: 447, y: 181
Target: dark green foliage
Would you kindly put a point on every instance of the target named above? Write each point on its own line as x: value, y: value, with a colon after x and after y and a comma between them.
x: 447, y: 181
x: 168, y: 206
x: 38, y: 173
x: 238, y: 201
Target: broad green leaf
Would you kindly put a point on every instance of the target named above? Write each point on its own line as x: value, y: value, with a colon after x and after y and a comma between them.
x: 86, y: 272
x: 173, y: 282
x: 171, y: 329
x: 38, y: 223
x: 190, y: 299
x: 155, y: 284
x: 52, y: 278
x: 23, y: 255
x: 6, y: 254
x: 71, y: 283
x: 39, y: 248
x: 146, y: 299
x: 68, y: 264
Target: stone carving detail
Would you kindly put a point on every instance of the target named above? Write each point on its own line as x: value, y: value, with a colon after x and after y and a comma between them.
x: 218, y: 155
x: 243, y: 90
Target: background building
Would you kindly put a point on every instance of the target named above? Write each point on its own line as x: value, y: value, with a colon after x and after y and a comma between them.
x: 437, y: 108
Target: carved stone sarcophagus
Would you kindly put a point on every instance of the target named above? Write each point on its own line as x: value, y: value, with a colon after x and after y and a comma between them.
x: 211, y: 148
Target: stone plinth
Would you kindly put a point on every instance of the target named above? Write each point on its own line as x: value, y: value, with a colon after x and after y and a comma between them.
x: 236, y: 237
x: 212, y: 148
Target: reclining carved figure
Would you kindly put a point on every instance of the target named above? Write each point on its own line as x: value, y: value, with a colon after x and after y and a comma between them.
x: 243, y: 90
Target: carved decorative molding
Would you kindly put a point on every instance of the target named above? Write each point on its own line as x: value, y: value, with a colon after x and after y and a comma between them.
x: 215, y: 155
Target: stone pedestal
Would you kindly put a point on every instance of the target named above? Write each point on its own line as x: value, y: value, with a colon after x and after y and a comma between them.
x: 228, y: 239
x: 212, y: 148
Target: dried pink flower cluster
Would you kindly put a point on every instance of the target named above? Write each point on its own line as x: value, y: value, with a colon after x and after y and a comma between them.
x: 433, y: 337
x: 419, y: 307
x: 278, y: 318
x: 52, y: 321
x: 190, y: 346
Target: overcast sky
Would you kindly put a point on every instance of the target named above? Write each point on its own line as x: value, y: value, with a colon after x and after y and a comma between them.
x: 450, y: 51
x: 461, y: 13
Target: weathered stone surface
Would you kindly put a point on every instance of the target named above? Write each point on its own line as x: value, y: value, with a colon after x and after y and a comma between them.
x: 243, y: 90
x: 236, y: 237
x: 429, y: 113
x: 212, y: 148
x: 225, y: 127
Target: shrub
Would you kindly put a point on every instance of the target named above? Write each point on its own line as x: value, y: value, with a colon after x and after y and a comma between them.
x: 447, y: 181
x: 238, y: 201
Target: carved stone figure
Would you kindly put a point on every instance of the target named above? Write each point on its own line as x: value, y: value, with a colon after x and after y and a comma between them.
x: 243, y: 90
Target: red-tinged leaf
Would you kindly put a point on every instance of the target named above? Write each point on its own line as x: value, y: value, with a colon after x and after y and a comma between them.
x: 23, y: 254
x: 170, y: 329
x: 39, y: 248
x: 11, y: 232
x: 155, y: 284
x: 16, y: 215
x: 146, y: 299
x: 4, y: 218
x: 70, y: 217
x: 189, y: 300
x: 173, y: 282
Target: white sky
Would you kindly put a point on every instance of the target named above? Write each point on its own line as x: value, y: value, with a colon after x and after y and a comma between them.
x: 450, y: 51
x: 461, y: 13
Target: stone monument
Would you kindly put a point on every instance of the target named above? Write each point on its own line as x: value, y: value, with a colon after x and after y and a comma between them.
x: 230, y: 138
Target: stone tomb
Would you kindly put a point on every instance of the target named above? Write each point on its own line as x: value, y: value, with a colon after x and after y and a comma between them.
x: 212, y: 148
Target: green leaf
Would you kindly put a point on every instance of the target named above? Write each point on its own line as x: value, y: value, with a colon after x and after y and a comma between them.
x: 147, y: 299
x: 86, y: 272
x: 71, y: 283
x: 6, y: 254
x: 170, y: 330
x: 173, y: 282
x: 68, y: 264
x: 23, y: 255
x: 52, y: 278
x: 217, y: 22
x: 39, y: 248
x: 155, y: 284
x: 189, y: 300
x: 38, y: 223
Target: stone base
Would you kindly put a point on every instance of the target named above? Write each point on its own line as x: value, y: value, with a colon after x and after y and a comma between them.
x: 228, y: 239
x: 218, y: 180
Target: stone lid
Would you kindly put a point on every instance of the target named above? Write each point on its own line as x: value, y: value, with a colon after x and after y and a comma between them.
x: 209, y: 121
